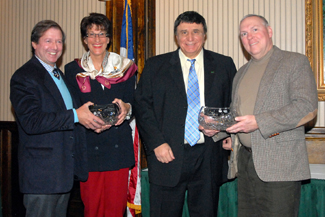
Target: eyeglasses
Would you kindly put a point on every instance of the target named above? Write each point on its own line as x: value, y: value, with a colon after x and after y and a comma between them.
x: 100, y: 35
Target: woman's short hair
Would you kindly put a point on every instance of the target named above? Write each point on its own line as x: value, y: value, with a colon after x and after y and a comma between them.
x: 96, y: 19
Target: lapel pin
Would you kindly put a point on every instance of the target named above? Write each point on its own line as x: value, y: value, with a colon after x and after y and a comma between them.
x: 212, y: 72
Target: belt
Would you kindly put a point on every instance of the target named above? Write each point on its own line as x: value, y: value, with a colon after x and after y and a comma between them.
x: 247, y: 148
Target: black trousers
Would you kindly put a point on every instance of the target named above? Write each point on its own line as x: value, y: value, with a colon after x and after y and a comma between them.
x: 46, y: 205
x: 196, y: 179
x: 257, y: 198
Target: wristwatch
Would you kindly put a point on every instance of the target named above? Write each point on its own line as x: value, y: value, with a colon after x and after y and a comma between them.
x: 128, y: 115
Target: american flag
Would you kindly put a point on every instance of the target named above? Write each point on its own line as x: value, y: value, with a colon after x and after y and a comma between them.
x: 126, y: 50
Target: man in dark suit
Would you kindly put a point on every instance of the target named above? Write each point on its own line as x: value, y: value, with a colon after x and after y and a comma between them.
x: 275, y: 95
x: 180, y: 158
x: 50, y: 150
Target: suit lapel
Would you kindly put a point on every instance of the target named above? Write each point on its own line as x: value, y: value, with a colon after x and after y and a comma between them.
x: 74, y: 102
x: 209, y: 74
x: 267, y: 80
x: 54, y: 91
x: 49, y: 83
x: 177, y: 74
x: 236, y: 83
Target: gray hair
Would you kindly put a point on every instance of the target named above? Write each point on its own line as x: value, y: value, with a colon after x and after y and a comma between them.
x: 265, y: 22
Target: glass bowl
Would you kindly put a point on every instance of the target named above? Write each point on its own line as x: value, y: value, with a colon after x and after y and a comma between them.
x: 213, y: 118
x: 108, y: 113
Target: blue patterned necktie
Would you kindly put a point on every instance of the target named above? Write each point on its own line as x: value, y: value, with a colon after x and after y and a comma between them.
x: 56, y: 73
x: 192, y: 134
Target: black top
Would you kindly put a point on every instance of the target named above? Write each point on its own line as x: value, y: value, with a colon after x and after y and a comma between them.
x: 113, y: 148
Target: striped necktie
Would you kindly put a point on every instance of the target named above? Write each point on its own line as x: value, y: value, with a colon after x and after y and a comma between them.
x: 192, y: 134
x: 56, y: 73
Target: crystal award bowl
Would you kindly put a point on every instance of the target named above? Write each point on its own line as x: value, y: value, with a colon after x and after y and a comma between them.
x: 108, y: 113
x: 216, y: 118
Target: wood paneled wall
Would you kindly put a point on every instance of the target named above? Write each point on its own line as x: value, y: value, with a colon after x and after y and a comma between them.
x: 143, y: 17
x: 143, y: 22
x: 12, y: 199
x: 287, y: 19
x: 17, y: 19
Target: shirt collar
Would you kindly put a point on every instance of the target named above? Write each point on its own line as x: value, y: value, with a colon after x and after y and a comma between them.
x: 48, y: 67
x: 198, y: 58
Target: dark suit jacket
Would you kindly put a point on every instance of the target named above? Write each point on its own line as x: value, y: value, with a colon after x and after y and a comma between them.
x: 161, y: 107
x: 113, y: 148
x: 50, y: 151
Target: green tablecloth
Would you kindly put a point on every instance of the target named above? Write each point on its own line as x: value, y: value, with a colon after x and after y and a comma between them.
x: 312, y: 201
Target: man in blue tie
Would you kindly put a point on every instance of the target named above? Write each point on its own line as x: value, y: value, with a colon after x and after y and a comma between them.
x: 171, y: 90
x: 52, y: 148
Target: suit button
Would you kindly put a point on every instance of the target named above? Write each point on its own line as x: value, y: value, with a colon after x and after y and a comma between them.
x: 71, y: 137
x: 96, y: 148
x: 72, y: 155
x: 116, y: 145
